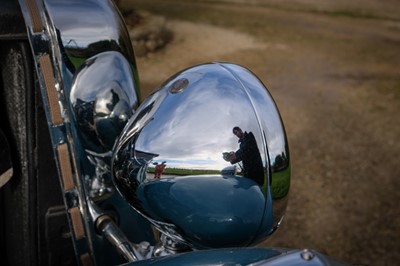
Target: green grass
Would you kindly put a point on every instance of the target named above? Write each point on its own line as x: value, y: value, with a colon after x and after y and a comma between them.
x: 181, y: 172
x: 280, y: 183
x: 77, y: 61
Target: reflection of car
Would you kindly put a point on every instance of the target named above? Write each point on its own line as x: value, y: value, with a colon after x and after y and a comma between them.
x: 229, y: 170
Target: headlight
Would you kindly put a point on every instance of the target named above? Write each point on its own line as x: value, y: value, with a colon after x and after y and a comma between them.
x: 190, y: 123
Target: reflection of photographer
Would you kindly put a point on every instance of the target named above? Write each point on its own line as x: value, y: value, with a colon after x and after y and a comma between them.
x: 248, y: 154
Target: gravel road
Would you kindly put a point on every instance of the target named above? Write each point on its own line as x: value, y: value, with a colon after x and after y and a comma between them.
x: 333, y: 69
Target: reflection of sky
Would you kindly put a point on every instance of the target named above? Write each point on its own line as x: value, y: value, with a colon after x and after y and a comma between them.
x: 267, y: 112
x: 108, y: 70
x: 192, y: 129
x: 80, y: 21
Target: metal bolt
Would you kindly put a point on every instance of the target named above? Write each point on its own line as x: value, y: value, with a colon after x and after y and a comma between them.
x: 307, y: 254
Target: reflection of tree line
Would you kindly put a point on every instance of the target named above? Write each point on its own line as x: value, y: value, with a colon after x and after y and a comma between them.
x: 281, y: 163
x: 280, y: 176
x: 93, y: 48
x: 77, y: 54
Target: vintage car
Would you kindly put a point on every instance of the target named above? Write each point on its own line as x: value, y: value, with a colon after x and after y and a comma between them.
x: 78, y: 150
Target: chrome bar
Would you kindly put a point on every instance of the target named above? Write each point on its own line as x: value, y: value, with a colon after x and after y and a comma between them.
x: 107, y: 228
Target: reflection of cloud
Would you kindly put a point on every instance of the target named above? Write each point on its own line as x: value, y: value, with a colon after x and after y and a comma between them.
x: 208, y: 164
x: 197, y: 124
x: 104, y: 72
x: 267, y: 112
x: 192, y: 128
x: 97, y: 22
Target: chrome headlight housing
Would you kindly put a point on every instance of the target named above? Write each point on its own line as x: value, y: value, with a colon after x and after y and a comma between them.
x: 188, y: 124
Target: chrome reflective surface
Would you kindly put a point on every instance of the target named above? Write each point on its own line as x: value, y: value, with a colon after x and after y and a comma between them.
x: 99, y: 74
x: 188, y: 125
x: 95, y: 81
x: 86, y: 28
x: 103, y: 99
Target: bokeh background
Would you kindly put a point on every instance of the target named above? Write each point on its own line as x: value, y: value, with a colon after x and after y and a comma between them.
x: 333, y: 68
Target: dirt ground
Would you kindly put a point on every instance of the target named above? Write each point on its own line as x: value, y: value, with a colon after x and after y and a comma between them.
x: 333, y: 68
